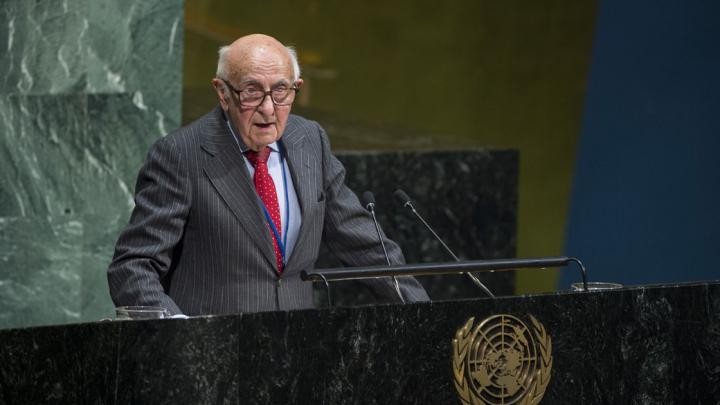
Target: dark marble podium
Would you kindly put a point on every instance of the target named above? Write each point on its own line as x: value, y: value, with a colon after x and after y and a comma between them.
x: 644, y: 345
x: 469, y: 197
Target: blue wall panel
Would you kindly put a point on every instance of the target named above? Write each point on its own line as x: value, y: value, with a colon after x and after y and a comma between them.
x: 645, y: 202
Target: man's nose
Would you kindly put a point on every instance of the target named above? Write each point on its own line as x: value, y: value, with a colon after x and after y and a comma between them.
x: 267, y: 107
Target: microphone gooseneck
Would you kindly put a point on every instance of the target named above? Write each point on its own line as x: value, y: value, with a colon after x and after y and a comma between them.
x: 407, y: 202
x: 368, y: 201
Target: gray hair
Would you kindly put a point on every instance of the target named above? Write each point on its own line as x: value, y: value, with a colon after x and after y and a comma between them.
x: 222, y: 62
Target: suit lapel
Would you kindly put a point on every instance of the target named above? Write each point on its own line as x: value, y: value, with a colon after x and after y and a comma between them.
x: 298, y: 156
x: 227, y: 173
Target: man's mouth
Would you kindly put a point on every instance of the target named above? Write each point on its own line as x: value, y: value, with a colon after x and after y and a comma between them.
x: 263, y: 125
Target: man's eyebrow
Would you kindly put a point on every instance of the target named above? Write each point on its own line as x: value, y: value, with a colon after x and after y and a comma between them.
x: 253, y: 82
x: 250, y: 82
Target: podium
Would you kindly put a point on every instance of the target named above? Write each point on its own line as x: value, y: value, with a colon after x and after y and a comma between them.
x: 649, y: 344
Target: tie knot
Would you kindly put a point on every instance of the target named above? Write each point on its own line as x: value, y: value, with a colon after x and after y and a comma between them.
x: 261, y: 156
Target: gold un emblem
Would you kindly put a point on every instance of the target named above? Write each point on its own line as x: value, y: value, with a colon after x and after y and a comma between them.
x: 501, y: 361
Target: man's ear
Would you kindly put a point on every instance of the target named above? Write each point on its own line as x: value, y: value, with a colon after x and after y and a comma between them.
x: 299, y: 83
x: 220, y: 90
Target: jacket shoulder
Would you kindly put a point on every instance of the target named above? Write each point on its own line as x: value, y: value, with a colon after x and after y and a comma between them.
x: 191, y: 134
x: 302, y: 128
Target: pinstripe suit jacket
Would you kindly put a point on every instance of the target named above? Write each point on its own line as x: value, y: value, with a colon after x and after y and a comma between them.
x: 198, y: 242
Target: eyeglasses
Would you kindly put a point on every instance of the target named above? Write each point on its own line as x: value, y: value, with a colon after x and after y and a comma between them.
x: 252, y: 96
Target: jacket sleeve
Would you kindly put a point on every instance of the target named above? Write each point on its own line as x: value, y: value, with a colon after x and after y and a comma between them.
x: 144, y: 250
x: 350, y: 234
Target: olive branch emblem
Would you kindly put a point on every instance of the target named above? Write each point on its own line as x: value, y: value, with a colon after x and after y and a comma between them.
x: 468, y: 340
x: 461, y: 344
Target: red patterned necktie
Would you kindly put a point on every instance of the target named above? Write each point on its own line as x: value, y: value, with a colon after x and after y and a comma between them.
x: 265, y: 188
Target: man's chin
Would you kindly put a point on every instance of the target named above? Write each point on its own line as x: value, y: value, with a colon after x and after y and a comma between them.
x: 262, y: 139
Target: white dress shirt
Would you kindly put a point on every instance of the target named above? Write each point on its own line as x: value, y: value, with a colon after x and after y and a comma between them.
x: 292, y: 207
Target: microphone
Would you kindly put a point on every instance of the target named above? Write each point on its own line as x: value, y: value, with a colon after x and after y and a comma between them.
x: 368, y: 201
x: 407, y: 202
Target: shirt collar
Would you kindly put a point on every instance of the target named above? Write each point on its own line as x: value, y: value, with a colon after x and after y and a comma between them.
x: 274, y: 147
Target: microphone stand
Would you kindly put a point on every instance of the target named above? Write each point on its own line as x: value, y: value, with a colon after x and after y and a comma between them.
x: 369, y: 201
x: 407, y: 203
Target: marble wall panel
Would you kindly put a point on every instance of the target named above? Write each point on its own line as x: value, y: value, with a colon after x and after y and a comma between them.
x: 94, y: 46
x: 85, y: 87
x: 468, y: 197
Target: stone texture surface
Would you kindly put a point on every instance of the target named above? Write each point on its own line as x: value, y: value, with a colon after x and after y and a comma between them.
x: 81, y: 99
x: 74, y: 364
x: 468, y: 197
x: 643, y: 345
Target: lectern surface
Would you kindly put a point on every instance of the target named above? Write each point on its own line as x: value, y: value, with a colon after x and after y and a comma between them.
x: 644, y: 345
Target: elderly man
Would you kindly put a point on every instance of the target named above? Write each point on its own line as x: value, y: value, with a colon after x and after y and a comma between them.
x: 231, y: 208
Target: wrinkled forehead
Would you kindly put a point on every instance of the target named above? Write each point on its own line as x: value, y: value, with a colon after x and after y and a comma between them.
x: 261, y: 61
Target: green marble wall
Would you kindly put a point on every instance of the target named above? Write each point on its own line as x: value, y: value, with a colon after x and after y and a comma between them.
x: 85, y: 87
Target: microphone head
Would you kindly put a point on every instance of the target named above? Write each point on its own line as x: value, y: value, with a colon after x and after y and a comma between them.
x: 402, y: 196
x: 368, y: 199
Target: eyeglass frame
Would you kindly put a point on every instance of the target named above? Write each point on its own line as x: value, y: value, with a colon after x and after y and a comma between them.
x: 265, y: 94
